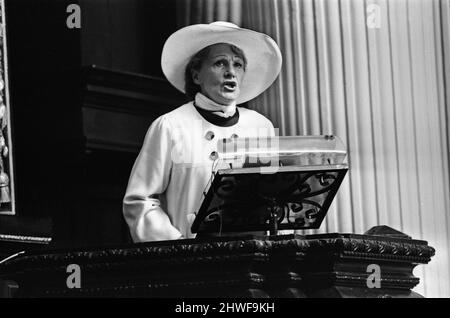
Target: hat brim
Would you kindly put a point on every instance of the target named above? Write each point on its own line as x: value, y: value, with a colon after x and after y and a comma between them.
x: 263, y: 55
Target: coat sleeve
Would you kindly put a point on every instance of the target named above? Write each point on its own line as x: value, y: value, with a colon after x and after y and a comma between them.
x: 149, y: 178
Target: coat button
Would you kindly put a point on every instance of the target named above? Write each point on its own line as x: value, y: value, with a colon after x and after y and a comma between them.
x: 214, y: 155
x: 234, y: 136
x: 209, y: 135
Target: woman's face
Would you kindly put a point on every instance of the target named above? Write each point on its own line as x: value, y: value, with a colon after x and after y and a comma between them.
x: 220, y: 75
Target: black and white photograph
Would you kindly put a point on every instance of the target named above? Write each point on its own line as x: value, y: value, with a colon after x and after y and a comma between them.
x: 224, y: 154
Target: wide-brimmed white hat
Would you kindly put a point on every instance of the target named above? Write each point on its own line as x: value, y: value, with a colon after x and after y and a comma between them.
x: 263, y: 54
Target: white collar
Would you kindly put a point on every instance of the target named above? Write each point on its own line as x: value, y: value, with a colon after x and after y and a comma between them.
x: 218, y: 109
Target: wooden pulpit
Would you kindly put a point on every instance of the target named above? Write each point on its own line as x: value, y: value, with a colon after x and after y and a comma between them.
x: 377, y: 264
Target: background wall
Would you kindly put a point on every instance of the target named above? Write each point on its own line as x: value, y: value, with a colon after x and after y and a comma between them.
x: 126, y: 35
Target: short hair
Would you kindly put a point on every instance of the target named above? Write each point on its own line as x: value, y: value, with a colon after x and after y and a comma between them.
x: 190, y: 88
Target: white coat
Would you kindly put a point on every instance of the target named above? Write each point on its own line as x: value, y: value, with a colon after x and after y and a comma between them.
x: 173, y: 168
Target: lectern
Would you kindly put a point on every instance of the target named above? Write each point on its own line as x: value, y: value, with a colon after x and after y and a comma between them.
x: 271, y: 184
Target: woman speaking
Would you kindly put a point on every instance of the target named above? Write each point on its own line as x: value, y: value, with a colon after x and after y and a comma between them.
x: 218, y: 66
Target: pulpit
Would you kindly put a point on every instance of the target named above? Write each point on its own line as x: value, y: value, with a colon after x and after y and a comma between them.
x: 376, y: 264
x: 257, y: 189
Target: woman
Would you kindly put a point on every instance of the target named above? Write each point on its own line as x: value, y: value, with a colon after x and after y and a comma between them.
x: 218, y: 65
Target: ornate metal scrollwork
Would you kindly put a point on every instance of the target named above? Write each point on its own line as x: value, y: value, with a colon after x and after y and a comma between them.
x: 254, y: 201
